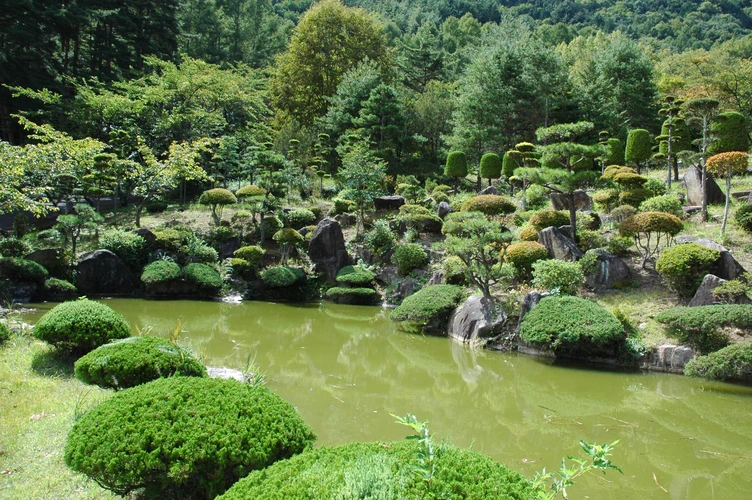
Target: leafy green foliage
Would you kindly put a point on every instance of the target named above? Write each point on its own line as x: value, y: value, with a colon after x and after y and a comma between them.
x: 206, y: 277
x: 130, y: 247
x: 619, y: 245
x: 524, y: 253
x: 160, y: 271
x: 667, y: 203
x: 4, y: 332
x: 183, y: 437
x: 732, y: 363
x: 81, y: 326
x: 57, y: 289
x: 356, y: 295
x: 529, y: 233
x: 554, y: 274
x: 216, y: 199
x: 18, y: 270
x: 253, y: 254
x: 409, y: 256
x: 684, y: 266
x: 299, y: 217
x: 572, y: 326
x: 134, y: 361
x: 628, y: 180
x: 622, y: 213
x: 428, y: 303
x: 490, y: 166
x: 731, y: 131
x: 489, y: 204
x: 13, y: 247
x: 639, y: 146
x: 250, y: 191
x: 589, y: 239
x: 355, y: 276
x: 650, y: 230
x: 420, y: 219
x: 702, y: 327
x: 743, y: 216
x: 548, y: 218
x: 380, y: 239
x: 456, y: 165
x: 281, y: 276
x: 634, y: 197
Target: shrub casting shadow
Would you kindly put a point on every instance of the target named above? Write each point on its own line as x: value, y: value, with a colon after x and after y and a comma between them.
x: 53, y: 363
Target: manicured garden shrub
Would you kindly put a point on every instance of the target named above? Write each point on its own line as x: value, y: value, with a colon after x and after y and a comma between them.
x: 130, y: 247
x: 81, y: 325
x: 408, y: 257
x: 299, y: 217
x: 356, y: 296
x: 428, y: 303
x: 524, y: 253
x: 743, y: 216
x: 18, y: 270
x: 650, y: 231
x: 454, y: 270
x: 272, y: 224
x: 281, y: 276
x: 732, y: 363
x: 629, y: 180
x: 549, y: 218
x: 588, y: 239
x: 382, y: 471
x: 456, y: 165
x: 605, y: 199
x: 380, y: 240
x: 529, y: 233
x: 572, y: 325
x: 438, y: 197
x: 253, y: 254
x: 667, y: 203
x: 4, y: 332
x: 288, y: 236
x: 420, y: 218
x: 490, y: 167
x: 622, y: 213
x: 634, y: 196
x: 355, y: 276
x: 342, y: 206
x: 134, y: 361
x: 13, y: 247
x: 170, y: 239
x: 206, y: 277
x: 489, y: 204
x: 684, y: 266
x: 57, y: 289
x: 655, y: 186
x: 553, y: 274
x: 619, y: 245
x: 160, y: 271
x: 243, y: 269
x: 614, y: 151
x: 703, y: 327
x: 250, y: 191
x: 614, y: 170
x: 216, y: 199
x: 184, y: 437
x: 731, y: 131
x: 639, y: 146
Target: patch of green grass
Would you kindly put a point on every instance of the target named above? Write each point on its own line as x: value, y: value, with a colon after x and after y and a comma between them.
x: 641, y: 306
x: 40, y: 402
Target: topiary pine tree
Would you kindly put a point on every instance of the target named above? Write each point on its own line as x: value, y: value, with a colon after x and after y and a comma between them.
x: 638, y: 147
x: 671, y: 108
x: 731, y: 133
x: 456, y: 166
x: 701, y: 113
x: 726, y: 165
x: 490, y: 167
x: 216, y: 199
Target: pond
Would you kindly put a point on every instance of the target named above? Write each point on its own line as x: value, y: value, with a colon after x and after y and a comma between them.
x: 346, y: 368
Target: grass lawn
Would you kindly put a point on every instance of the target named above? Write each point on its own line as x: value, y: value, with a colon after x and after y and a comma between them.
x: 39, y: 402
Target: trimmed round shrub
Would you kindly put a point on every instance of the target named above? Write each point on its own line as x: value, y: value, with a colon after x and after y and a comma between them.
x: 667, y: 203
x: 380, y: 239
x: 684, y: 266
x: 13, y: 247
x: 529, y: 233
x: 639, y: 146
x: 731, y: 131
x: 281, y: 276
x: 206, y: 277
x: 489, y: 204
x: 634, y: 196
x: 254, y: 254
x: 170, y: 239
x: 622, y: 213
x: 18, y: 270
x: 130, y: 247
x: 438, y: 197
x: 160, y: 271
x: 408, y: 257
x: 732, y: 363
x: 651, y: 222
x: 420, y: 218
x: 703, y: 327
x: 250, y: 190
x: 299, y: 217
x: 355, y: 276
x: 605, y: 199
x: 4, y: 332
x: 655, y: 186
x: 456, y: 164
x: 184, y: 437
x: 428, y: 303
x: 454, y: 270
x: 512, y: 160
x: 490, y: 166
x: 572, y: 325
x: 614, y: 151
x: 549, y: 218
x: 629, y: 180
x: 342, y: 206
x: 588, y: 239
x: 355, y: 296
x: 243, y: 269
x: 743, y: 216
x: 614, y: 170
x: 81, y: 325
x: 619, y: 245
x: 272, y: 224
x: 135, y: 361
x: 217, y: 196
x: 382, y: 471
x: 288, y: 236
x: 553, y: 274
x: 524, y: 253
x: 57, y: 289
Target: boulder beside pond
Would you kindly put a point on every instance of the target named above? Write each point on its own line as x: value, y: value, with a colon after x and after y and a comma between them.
x: 474, y: 320
x: 101, y: 272
x: 327, y: 249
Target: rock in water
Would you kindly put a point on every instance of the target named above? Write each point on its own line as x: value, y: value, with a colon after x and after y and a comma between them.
x: 474, y: 320
x: 327, y: 249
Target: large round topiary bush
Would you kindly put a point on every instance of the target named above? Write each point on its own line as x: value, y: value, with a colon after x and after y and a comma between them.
x: 18, y: 270
x: 207, y: 279
x: 456, y: 165
x: 184, y: 437
x: 281, y: 276
x: 355, y: 276
x: 431, y: 305
x: 135, y: 361
x: 160, y: 271
x: 408, y: 257
x: 251, y: 253
x: 81, y: 325
x: 490, y: 167
x: 489, y: 204
x: 299, y: 218
x: 382, y: 471
x: 706, y: 327
x: 549, y: 218
x: 524, y: 253
x: 684, y: 266
x: 732, y: 363
x: 572, y: 326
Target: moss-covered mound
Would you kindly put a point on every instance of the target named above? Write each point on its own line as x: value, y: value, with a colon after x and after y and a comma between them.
x: 684, y: 266
x: 382, y: 471
x: 355, y: 296
x: 282, y: 276
x: 572, y: 326
x: 160, y: 271
x: 81, y: 325
x: 732, y: 363
x: 206, y: 278
x: 429, y: 307
x: 135, y: 361
x: 18, y: 270
x: 704, y: 327
x: 184, y: 437
x: 355, y: 276
x: 489, y: 204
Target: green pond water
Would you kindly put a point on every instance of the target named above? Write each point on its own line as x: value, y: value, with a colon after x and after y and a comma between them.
x: 346, y: 368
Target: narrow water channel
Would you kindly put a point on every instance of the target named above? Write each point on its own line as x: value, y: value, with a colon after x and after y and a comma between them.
x: 346, y: 368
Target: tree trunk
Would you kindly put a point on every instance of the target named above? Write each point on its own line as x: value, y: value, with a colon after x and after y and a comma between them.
x: 572, y: 216
x: 676, y: 168
x: 704, y: 188
x: 728, y: 202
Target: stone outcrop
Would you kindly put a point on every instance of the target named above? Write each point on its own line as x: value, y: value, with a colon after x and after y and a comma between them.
x: 101, y: 272
x: 50, y: 258
x: 704, y: 294
x: 327, y: 249
x: 582, y: 201
x: 609, y: 270
x: 530, y: 300
x: 388, y: 202
x: 559, y: 246
x: 489, y: 190
x: 668, y: 358
x: 444, y: 209
x: 146, y: 234
x: 693, y: 185
x: 726, y: 267
x: 474, y: 320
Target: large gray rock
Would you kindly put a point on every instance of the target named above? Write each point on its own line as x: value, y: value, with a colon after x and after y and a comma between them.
x: 693, y: 185
x: 530, y: 300
x: 668, y: 358
x: 608, y: 271
x: 704, y: 242
x: 596, y: 222
x: 444, y: 209
x: 388, y: 202
x: 474, y: 320
x: 582, y: 201
x: 226, y: 373
x: 101, y: 272
x: 437, y: 278
x: 146, y: 234
x: 559, y: 246
x: 327, y: 249
x: 489, y: 190
x: 704, y: 294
